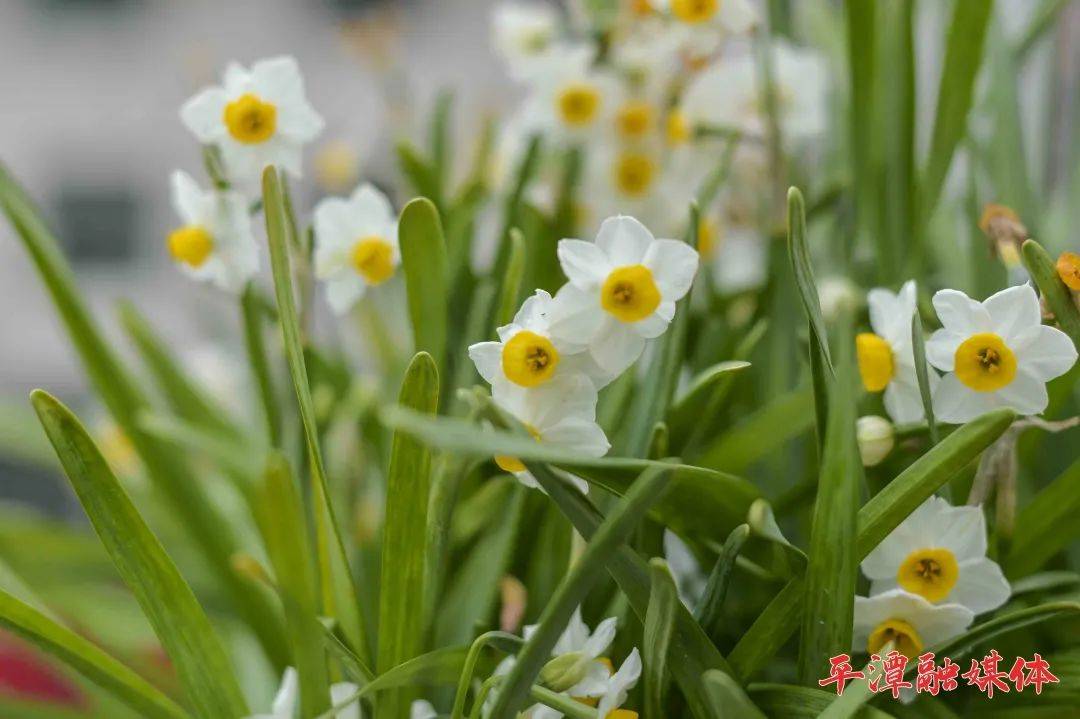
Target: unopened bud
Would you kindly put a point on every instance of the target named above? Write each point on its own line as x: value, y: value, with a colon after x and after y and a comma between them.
x: 1002, y: 226
x: 564, y: 671
x: 876, y: 439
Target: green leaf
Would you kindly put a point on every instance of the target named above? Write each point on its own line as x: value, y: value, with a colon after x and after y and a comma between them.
x: 404, y: 543
x: 922, y: 374
x: 1057, y: 295
x: 710, y: 611
x: 166, y: 469
x: 510, y: 282
x: 423, y: 257
x: 698, y: 403
x: 1047, y: 524
x: 441, y: 150
x: 761, y: 434
x: 281, y: 515
x: 795, y: 702
x: 963, y: 645
x: 179, y: 622
x: 659, y: 623
x: 514, y: 203
x: 255, y: 345
x: 701, y: 502
x: 832, y: 569
x: 727, y: 698
x: 418, y: 171
x: 609, y: 536
x: 86, y: 658
x: 508, y: 642
x: 879, y: 516
x: 963, y: 57
x: 799, y: 252
x: 335, y: 577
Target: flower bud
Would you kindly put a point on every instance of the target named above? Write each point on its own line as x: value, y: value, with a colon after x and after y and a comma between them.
x: 876, y: 439
x: 564, y: 671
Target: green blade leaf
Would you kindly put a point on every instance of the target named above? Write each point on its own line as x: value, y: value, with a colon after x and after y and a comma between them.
x: 698, y: 403
x: 879, y: 516
x: 281, y: 515
x: 165, y: 598
x: 659, y: 624
x: 608, y: 537
x: 963, y: 645
x: 922, y: 374
x: 799, y: 252
x: 423, y: 257
x: 795, y: 702
x: 963, y: 57
x: 1047, y: 524
x: 86, y: 658
x: 710, y: 611
x: 510, y: 287
x: 832, y: 568
x: 255, y: 346
x: 1057, y: 295
x: 727, y: 698
x: 762, y: 433
x: 338, y: 591
x: 404, y: 545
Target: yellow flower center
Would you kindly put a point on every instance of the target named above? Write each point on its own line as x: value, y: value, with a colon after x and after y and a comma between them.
x: 191, y: 245
x: 250, y: 119
x: 875, y: 361
x: 373, y: 258
x: 634, y: 172
x: 694, y: 11
x: 984, y: 362
x: 622, y: 714
x: 630, y: 293
x: 578, y: 104
x: 903, y: 636
x: 678, y: 129
x: 1068, y: 269
x: 708, y: 235
x: 930, y: 573
x: 529, y: 359
x: 513, y: 464
x: 634, y: 119
x: 641, y: 8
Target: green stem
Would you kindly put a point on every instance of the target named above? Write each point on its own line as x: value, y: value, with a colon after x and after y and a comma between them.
x: 260, y: 365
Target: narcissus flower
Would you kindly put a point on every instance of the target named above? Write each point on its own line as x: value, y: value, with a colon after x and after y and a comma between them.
x: 907, y: 621
x: 569, y: 98
x: 886, y: 359
x: 257, y: 117
x: 996, y: 353
x: 618, y: 687
x: 284, y: 706
x: 732, y: 16
x: 356, y: 245
x: 939, y: 553
x: 215, y: 243
x: 522, y: 33
x: 422, y: 709
x: 622, y: 290
x: 561, y: 413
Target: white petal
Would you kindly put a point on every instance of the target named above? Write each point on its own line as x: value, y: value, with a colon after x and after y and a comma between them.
x: 956, y: 403
x: 299, y: 122
x: 188, y: 198
x: 487, y: 356
x: 601, y: 639
x: 903, y: 401
x: 573, y: 637
x: 204, y: 114
x: 960, y: 313
x: 534, y: 312
x: 341, y: 692
x: 624, y: 240
x: 575, y: 318
x: 981, y: 586
x: 371, y: 206
x: 578, y: 435
x: 961, y: 530
x: 1025, y: 394
x: 652, y: 326
x: 583, y: 263
x: 673, y: 264
x: 1012, y: 311
x: 1049, y: 355
x: 941, y: 349
x: 343, y: 292
x: 738, y: 16
x: 942, y: 622
x: 285, y: 700
x: 563, y: 397
x: 421, y: 709
x: 621, y: 684
x: 595, y: 682
x: 278, y: 79
x: 616, y: 346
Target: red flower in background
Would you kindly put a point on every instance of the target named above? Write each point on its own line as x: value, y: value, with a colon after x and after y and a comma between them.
x: 25, y: 673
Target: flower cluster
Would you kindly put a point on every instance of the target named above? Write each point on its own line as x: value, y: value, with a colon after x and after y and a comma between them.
x: 550, y: 361
x: 928, y: 580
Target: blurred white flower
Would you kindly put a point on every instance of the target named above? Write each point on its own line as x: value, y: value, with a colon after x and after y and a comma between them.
x: 259, y: 117
x: 570, y: 99
x: 561, y: 413
x: 886, y: 358
x: 939, y: 553
x: 618, y: 687
x: 907, y: 621
x: 727, y: 95
x: 622, y: 290
x: 876, y: 437
x: 522, y: 33
x: 736, y: 255
x: 689, y: 579
x: 356, y: 245
x: 215, y: 243
x: 422, y: 709
x: 996, y: 353
x: 725, y: 16
x: 837, y: 294
x: 284, y: 706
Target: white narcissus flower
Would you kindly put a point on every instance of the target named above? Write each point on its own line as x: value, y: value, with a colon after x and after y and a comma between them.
x: 728, y: 94
x: 907, y: 621
x: 618, y: 687
x: 996, y: 353
x: 356, y: 245
x: 561, y: 413
x: 732, y: 16
x: 527, y: 356
x: 257, y: 117
x: 522, y: 33
x: 939, y: 553
x: 886, y: 358
x: 422, y: 709
x: 569, y: 98
x: 622, y: 290
x: 284, y: 706
x: 215, y: 243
